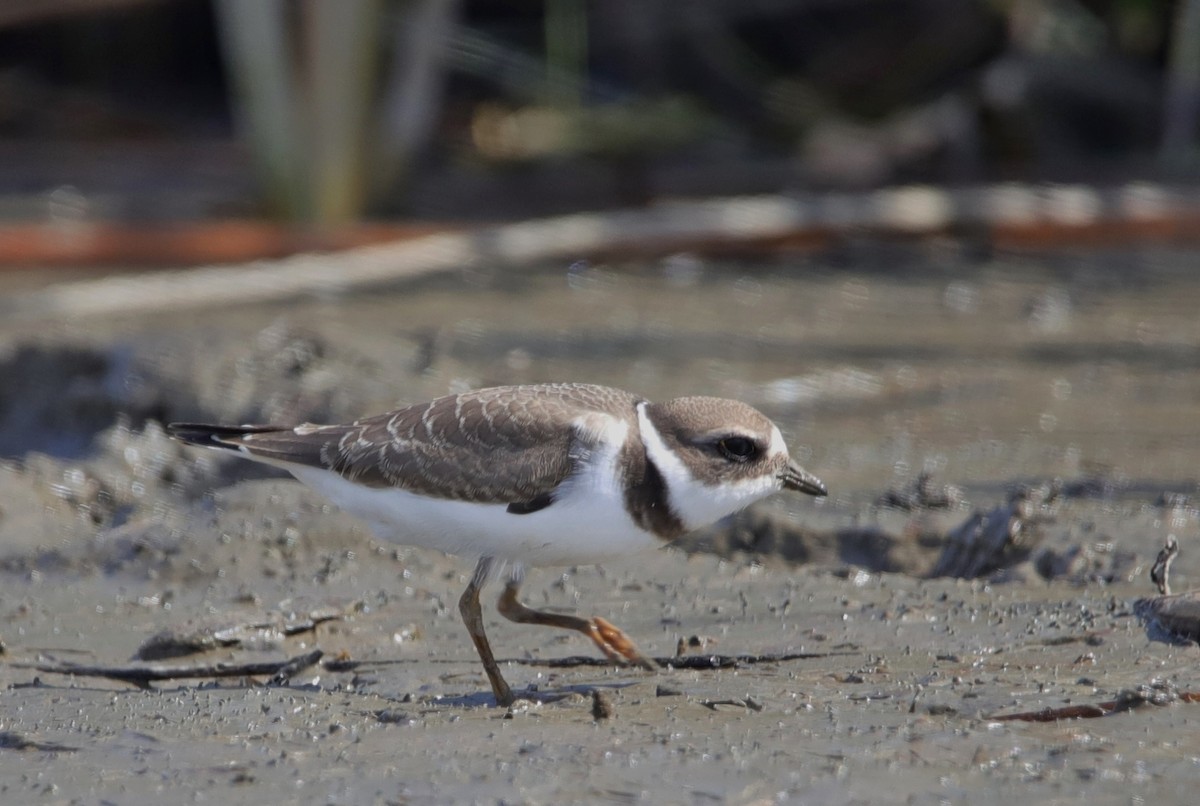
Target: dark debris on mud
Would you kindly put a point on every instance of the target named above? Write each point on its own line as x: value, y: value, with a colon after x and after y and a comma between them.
x: 1156, y: 693
x: 1030, y: 535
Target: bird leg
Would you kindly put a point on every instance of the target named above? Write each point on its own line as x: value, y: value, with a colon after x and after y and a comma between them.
x: 468, y: 606
x: 615, y: 644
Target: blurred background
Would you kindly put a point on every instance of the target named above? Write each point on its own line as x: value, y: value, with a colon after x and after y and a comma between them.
x: 929, y: 238
x: 359, y: 120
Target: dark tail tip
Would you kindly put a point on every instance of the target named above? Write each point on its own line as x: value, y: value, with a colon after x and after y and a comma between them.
x: 213, y: 436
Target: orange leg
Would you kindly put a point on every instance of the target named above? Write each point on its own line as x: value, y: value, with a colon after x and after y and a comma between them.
x: 468, y: 606
x: 614, y: 643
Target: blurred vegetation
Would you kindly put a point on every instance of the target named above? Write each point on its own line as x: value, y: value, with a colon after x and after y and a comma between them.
x: 327, y: 111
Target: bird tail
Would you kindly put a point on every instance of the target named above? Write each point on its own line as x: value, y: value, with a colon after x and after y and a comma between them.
x: 216, y: 436
x: 276, y: 445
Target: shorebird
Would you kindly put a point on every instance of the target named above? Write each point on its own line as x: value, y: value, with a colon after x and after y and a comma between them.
x: 538, y: 475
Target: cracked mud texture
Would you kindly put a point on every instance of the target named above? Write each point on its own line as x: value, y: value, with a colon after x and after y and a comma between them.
x: 995, y: 378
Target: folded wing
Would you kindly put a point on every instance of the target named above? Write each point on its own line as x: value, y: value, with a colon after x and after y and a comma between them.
x: 483, y: 447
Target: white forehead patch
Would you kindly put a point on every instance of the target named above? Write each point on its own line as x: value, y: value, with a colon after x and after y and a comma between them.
x: 697, y: 504
x: 777, y: 447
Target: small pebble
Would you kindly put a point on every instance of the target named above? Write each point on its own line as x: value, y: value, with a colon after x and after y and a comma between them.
x: 602, y: 707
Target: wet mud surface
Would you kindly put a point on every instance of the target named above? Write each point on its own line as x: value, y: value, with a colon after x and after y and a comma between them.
x: 1027, y: 423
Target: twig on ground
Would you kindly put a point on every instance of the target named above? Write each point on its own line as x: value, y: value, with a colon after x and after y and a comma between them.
x: 143, y: 676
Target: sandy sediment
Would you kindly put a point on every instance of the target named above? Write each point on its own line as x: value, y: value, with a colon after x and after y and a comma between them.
x: 993, y: 424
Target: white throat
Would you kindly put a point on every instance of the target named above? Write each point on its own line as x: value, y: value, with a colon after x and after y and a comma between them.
x: 697, y: 504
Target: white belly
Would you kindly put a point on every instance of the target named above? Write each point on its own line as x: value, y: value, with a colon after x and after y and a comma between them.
x: 587, y: 523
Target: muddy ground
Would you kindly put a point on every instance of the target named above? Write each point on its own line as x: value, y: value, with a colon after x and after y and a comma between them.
x: 1065, y: 384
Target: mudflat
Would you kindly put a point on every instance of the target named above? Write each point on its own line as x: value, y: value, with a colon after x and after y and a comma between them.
x: 827, y: 651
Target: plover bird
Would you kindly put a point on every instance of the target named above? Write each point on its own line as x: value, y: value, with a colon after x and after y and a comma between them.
x: 516, y: 476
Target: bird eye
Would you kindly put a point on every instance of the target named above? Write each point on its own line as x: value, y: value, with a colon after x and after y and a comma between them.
x: 737, y: 449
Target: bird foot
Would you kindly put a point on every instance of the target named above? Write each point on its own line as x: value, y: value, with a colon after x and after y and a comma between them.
x: 616, y: 645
